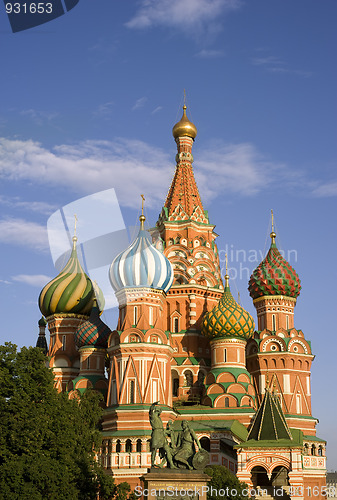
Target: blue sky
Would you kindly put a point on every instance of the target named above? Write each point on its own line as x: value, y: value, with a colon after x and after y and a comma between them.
x: 88, y: 102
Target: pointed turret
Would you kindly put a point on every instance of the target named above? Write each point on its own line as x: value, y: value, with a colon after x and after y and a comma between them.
x: 269, y: 423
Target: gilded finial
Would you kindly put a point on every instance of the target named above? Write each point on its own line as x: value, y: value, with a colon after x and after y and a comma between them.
x: 75, y: 228
x: 226, y: 275
x: 142, y: 218
x: 267, y: 381
x: 274, y: 387
x: 272, y: 234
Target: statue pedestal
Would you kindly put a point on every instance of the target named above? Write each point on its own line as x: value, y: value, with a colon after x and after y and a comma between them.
x: 175, y: 484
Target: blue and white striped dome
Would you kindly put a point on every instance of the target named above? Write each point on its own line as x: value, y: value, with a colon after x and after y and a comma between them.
x: 141, y: 265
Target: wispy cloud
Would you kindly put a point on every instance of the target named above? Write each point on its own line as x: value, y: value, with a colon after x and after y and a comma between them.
x: 139, y: 103
x: 133, y: 167
x: 5, y: 282
x: 32, y: 206
x: 186, y: 15
x: 156, y: 110
x: 32, y: 279
x: 275, y: 64
x: 104, y: 109
x: 39, y: 117
x: 23, y: 232
x: 326, y: 190
x: 209, y: 54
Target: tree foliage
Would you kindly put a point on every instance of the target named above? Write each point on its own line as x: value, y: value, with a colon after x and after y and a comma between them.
x: 223, y: 479
x: 47, y: 441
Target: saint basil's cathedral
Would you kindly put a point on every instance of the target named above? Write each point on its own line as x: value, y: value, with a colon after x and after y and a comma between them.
x: 183, y: 340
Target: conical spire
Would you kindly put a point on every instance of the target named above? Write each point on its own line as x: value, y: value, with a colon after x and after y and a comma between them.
x: 270, y: 423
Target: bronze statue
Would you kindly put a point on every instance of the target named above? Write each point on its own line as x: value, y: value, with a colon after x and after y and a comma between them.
x: 158, y: 438
x: 182, y: 450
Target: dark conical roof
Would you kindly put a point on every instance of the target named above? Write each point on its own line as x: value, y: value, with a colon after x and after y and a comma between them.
x: 270, y: 423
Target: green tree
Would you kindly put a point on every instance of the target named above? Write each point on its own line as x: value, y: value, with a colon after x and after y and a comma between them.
x: 47, y: 441
x: 223, y: 479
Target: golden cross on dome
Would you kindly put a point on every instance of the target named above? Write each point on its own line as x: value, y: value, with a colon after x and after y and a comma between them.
x: 184, y: 97
x: 226, y: 260
x: 143, y: 199
x: 75, y: 224
x: 272, y: 234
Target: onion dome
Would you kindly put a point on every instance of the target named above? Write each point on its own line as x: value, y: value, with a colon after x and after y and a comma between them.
x: 184, y: 127
x: 42, y: 322
x: 228, y: 319
x: 70, y: 292
x: 274, y: 276
x: 93, y: 332
x: 141, y: 265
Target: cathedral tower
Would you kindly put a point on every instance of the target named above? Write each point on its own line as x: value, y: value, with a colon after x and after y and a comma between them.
x: 189, y: 244
x: 280, y: 351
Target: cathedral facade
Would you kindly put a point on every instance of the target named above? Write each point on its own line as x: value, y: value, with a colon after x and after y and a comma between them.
x: 183, y: 340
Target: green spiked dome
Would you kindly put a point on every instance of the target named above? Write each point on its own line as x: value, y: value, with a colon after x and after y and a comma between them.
x: 70, y: 292
x: 228, y: 319
x: 93, y: 332
x: 274, y: 276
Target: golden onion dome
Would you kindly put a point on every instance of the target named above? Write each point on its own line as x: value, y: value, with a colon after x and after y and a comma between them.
x: 184, y: 128
x: 71, y: 292
x: 228, y: 319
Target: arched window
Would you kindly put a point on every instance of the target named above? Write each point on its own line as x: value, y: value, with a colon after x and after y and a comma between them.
x: 226, y: 402
x: 175, y: 384
x: 320, y: 451
x: 313, y: 450
x: 139, y: 445
x: 176, y: 325
x: 205, y: 443
x: 128, y: 446
x: 135, y: 315
x: 188, y: 378
x: 273, y: 319
x: 118, y: 446
x: 132, y: 392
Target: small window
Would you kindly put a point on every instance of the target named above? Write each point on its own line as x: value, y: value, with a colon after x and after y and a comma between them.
x: 135, y: 315
x: 118, y: 446
x: 139, y: 445
x: 176, y: 325
x: 225, y: 355
x: 151, y: 316
x: 273, y: 318
x: 226, y: 402
x: 132, y: 391
x: 128, y: 446
x: 88, y: 362
x: 287, y: 322
x: 63, y: 342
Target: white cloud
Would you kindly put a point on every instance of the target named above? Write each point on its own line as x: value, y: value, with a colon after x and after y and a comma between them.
x: 139, y: 103
x: 5, y: 282
x: 186, y: 15
x: 156, y: 110
x: 39, y: 117
x: 104, y: 109
x: 326, y: 190
x: 32, y: 206
x: 133, y: 167
x: 32, y: 279
x: 210, y: 54
x: 23, y: 232
x: 274, y: 64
